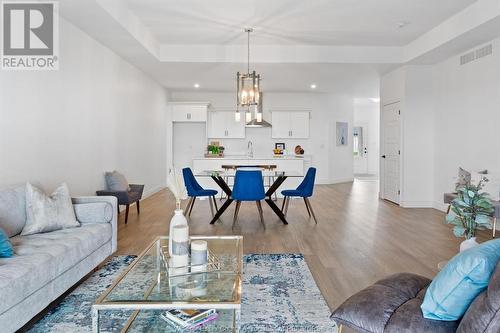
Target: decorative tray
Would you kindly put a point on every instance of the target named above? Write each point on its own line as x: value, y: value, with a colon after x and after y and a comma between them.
x: 214, y: 264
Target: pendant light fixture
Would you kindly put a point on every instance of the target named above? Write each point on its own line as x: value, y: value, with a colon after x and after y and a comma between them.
x: 248, y: 89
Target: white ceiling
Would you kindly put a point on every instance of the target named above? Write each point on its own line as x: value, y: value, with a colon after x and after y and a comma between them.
x: 285, y: 22
x: 340, y: 45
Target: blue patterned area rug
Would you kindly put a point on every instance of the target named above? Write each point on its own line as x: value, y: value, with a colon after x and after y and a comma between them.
x: 279, y: 295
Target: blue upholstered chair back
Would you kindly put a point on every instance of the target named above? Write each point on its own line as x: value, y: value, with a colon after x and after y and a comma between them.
x: 192, y: 185
x: 306, y: 187
x: 248, y: 186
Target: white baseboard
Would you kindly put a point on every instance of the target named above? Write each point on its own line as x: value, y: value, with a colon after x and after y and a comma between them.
x: 441, y: 206
x: 341, y: 180
x: 417, y: 204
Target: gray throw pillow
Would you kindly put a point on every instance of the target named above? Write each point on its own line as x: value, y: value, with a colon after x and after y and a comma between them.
x: 13, y: 210
x: 48, y: 213
x: 115, y: 181
x: 464, y: 178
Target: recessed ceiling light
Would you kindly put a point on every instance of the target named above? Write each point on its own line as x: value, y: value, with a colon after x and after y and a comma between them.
x: 196, y: 85
x: 403, y: 24
x: 313, y: 86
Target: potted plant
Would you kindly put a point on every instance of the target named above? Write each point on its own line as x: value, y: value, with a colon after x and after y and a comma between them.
x: 470, y: 211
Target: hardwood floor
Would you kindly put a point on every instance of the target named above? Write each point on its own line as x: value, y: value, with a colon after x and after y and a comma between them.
x: 358, y: 239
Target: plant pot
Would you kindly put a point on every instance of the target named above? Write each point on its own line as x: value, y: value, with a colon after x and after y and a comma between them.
x: 177, y: 219
x: 468, y: 243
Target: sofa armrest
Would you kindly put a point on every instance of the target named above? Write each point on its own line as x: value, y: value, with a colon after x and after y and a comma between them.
x: 99, y: 200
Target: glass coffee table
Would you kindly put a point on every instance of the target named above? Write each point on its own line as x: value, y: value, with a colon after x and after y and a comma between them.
x: 147, y: 289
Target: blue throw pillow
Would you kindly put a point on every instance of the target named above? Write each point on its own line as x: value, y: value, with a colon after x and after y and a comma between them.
x: 464, y: 277
x: 6, y: 250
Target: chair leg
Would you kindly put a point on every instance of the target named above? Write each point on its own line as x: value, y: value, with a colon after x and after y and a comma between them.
x: 211, y: 206
x: 259, y: 207
x: 286, y: 206
x: 311, y: 209
x: 186, y: 209
x: 236, y: 211
x: 448, y: 210
x: 284, y: 202
x: 138, y: 208
x: 126, y: 214
x: 192, y: 204
x: 118, y: 209
x: 307, y: 206
x: 494, y: 227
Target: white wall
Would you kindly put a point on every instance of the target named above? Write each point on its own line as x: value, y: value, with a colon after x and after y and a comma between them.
x: 334, y: 163
x: 450, y: 119
x: 413, y: 87
x: 467, y: 119
x: 96, y: 113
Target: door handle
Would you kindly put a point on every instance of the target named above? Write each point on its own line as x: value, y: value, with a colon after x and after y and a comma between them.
x: 383, y: 156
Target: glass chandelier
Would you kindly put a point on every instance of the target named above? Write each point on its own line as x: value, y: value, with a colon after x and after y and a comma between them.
x: 248, y: 90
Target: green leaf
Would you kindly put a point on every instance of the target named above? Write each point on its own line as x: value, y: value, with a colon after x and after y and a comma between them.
x: 471, y: 193
x: 458, y: 231
x: 483, y: 219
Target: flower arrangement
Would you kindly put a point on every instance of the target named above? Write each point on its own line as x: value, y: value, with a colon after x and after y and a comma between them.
x: 471, y: 210
x: 175, y: 184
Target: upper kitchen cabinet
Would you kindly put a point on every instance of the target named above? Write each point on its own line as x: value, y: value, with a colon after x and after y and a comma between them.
x: 221, y: 125
x: 189, y: 111
x: 290, y: 124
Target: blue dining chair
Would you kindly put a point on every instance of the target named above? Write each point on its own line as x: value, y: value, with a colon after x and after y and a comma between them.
x: 195, y: 190
x: 248, y: 186
x: 304, y: 190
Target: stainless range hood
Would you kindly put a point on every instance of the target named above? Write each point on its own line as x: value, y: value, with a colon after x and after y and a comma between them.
x: 256, y: 124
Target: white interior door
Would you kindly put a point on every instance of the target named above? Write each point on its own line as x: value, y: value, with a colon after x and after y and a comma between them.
x: 391, y: 151
x: 360, y: 151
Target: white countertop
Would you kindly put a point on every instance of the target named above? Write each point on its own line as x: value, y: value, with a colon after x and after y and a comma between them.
x: 245, y: 157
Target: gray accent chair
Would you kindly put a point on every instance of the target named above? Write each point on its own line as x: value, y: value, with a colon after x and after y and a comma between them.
x: 134, y: 195
x: 393, y: 305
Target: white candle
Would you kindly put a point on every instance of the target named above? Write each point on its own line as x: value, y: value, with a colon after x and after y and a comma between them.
x: 199, y: 255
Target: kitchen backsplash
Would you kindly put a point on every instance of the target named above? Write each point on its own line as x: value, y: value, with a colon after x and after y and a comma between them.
x: 263, y: 144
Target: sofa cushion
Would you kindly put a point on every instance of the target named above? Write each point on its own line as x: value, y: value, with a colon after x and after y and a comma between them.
x: 483, y: 316
x: 48, y: 213
x: 115, y: 181
x: 376, y: 308
x: 40, y: 258
x: 13, y: 210
x: 463, y: 278
x: 6, y: 250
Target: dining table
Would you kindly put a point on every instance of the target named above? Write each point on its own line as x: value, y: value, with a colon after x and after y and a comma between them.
x: 220, y: 177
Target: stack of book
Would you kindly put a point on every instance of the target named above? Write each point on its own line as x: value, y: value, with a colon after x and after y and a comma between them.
x: 189, y: 320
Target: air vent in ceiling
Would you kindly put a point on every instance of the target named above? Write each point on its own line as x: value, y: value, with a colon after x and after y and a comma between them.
x: 474, y: 55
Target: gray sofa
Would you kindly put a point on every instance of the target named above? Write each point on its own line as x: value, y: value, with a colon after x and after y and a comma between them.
x: 46, y: 265
x: 393, y: 305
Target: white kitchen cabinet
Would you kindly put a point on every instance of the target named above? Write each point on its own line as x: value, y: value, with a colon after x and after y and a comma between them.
x: 290, y: 124
x: 189, y: 112
x: 221, y: 125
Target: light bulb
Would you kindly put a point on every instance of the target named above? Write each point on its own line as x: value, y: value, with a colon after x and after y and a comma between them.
x: 237, y: 116
x: 248, y: 116
x: 259, y: 117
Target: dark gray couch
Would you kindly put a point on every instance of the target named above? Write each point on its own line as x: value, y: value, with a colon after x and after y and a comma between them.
x: 393, y: 305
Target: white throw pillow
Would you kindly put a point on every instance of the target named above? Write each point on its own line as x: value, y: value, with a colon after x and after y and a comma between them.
x: 48, y: 213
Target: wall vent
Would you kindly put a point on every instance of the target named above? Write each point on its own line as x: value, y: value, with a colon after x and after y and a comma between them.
x: 477, y: 54
x: 484, y: 51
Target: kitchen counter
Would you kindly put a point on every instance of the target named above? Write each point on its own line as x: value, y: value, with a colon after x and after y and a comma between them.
x: 245, y: 157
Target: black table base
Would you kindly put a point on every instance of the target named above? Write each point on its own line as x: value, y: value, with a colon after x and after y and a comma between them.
x: 274, y: 187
